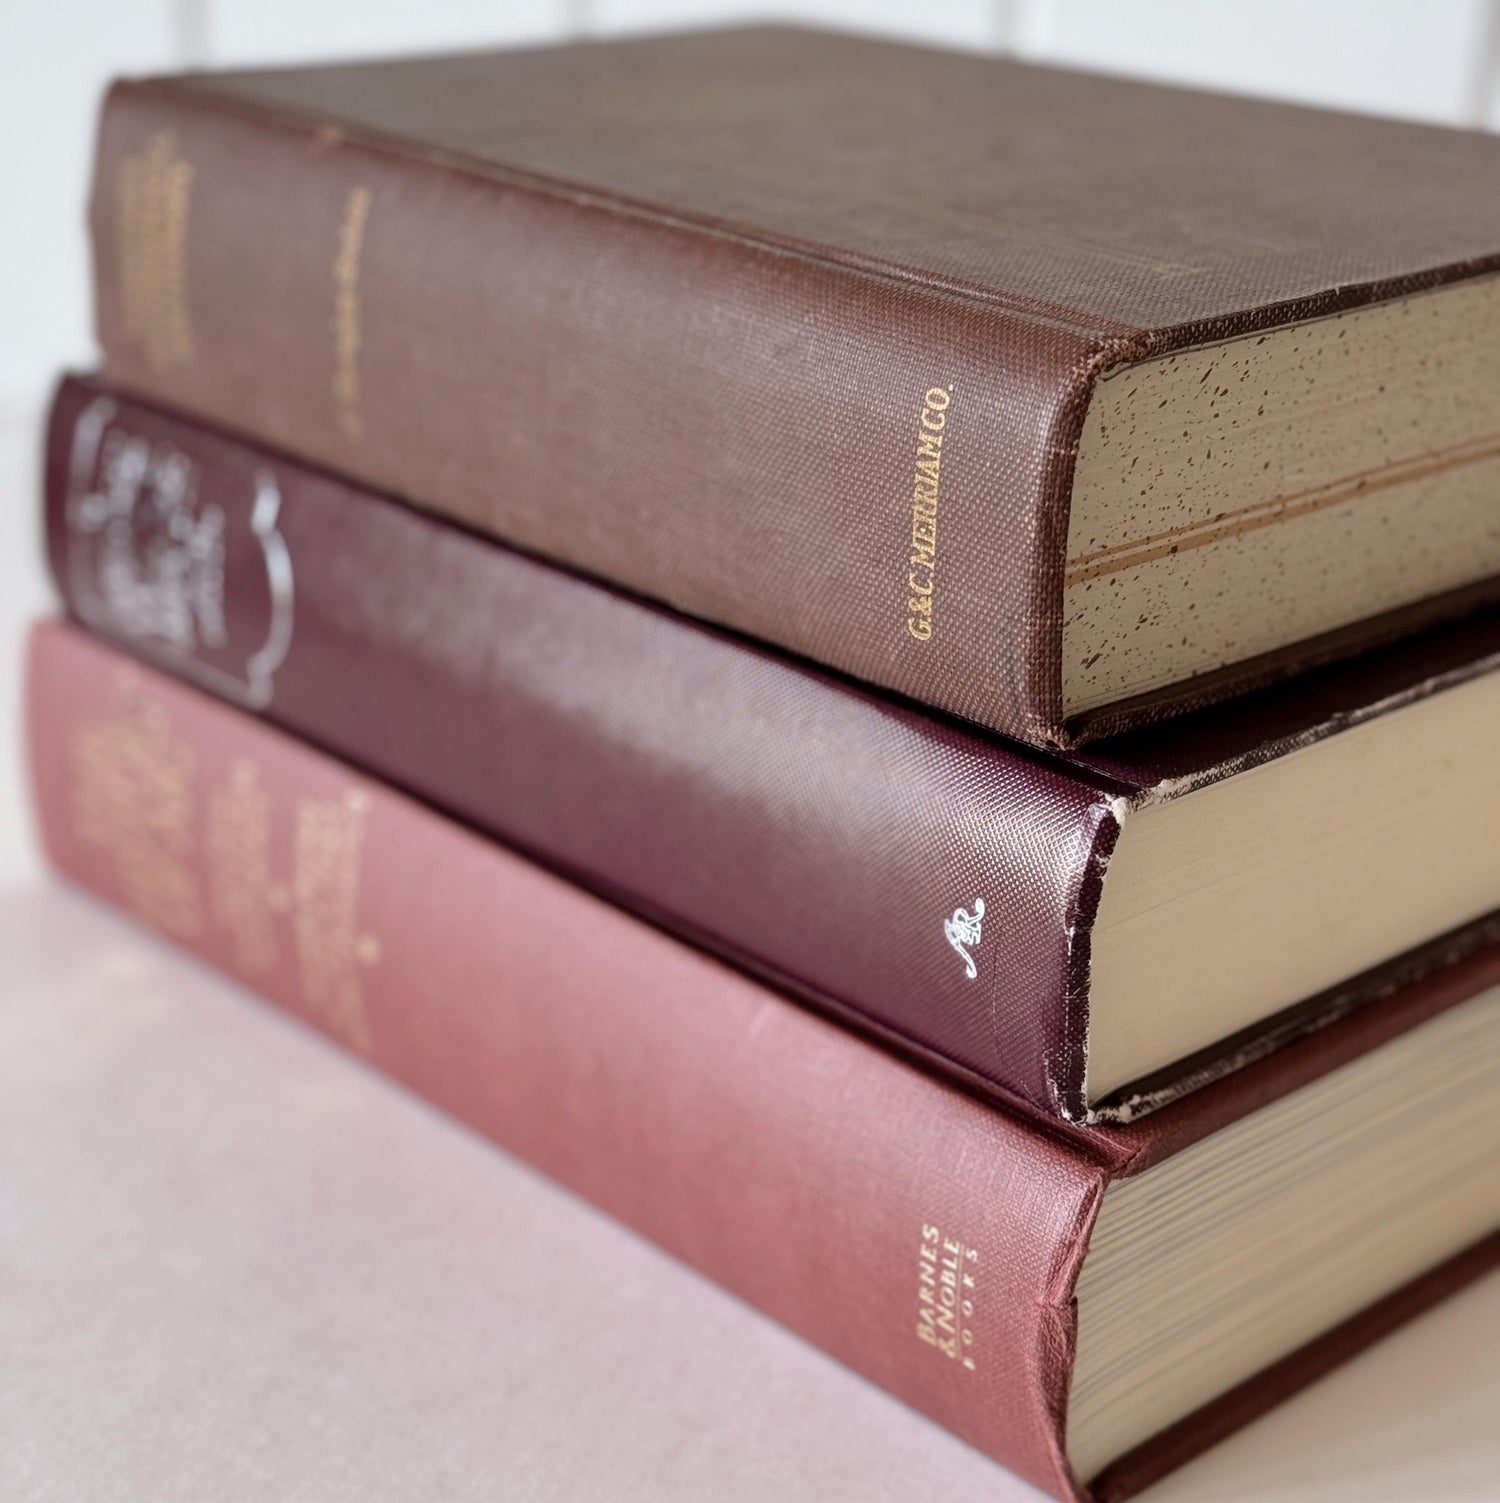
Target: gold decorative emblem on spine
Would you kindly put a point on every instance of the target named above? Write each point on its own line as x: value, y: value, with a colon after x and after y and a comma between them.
x: 153, y: 204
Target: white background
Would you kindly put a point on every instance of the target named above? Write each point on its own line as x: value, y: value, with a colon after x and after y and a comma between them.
x: 234, y: 1267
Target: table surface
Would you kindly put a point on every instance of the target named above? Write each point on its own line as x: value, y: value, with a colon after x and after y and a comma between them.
x: 236, y: 1266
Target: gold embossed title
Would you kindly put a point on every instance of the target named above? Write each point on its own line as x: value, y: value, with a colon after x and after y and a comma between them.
x: 921, y: 567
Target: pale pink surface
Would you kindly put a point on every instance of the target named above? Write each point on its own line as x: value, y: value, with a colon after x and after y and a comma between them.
x: 237, y: 1266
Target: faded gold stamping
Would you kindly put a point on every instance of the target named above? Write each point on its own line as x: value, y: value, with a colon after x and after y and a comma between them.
x: 153, y: 206
x: 348, y: 333
x: 947, y: 1271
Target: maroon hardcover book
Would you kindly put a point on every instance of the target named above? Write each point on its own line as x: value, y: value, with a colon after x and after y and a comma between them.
x: 964, y: 1258
x: 938, y: 884
x: 1053, y: 401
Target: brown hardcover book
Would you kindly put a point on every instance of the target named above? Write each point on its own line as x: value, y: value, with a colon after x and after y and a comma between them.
x: 1057, y: 402
x: 1093, y: 932
x: 1088, y: 1306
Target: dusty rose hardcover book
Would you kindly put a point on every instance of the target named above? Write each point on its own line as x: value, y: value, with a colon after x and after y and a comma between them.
x: 1087, y: 1305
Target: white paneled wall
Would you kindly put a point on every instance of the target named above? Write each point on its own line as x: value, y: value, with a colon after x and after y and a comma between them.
x: 1489, y: 83
x: 1419, y: 58
x: 953, y: 23
x: 278, y: 31
x: 54, y: 59
x: 1427, y: 59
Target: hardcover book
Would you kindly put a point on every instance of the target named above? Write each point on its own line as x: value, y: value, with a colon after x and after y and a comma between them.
x: 1091, y: 933
x: 1053, y: 401
x: 1089, y: 1306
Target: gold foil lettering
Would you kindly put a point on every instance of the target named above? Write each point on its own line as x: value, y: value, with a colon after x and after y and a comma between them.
x: 347, y: 332
x: 926, y: 475
x: 946, y: 1287
x: 153, y: 204
x: 133, y: 795
x: 237, y: 848
x: 332, y: 951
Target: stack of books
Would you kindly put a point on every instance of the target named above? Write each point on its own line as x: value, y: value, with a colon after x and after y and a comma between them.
x: 885, y: 662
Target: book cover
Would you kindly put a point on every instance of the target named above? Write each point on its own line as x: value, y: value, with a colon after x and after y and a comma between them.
x: 1056, y: 402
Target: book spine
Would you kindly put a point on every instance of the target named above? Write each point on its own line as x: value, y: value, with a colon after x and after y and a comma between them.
x: 815, y: 1176
x: 864, y: 469
x: 932, y: 881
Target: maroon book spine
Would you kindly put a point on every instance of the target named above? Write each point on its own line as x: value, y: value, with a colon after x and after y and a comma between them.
x: 928, y: 1241
x: 934, y: 882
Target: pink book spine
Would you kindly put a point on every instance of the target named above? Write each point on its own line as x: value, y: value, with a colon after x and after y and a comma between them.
x: 925, y: 1240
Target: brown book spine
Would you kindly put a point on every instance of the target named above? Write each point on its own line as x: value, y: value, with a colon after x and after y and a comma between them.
x: 826, y: 457
x: 925, y: 1240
